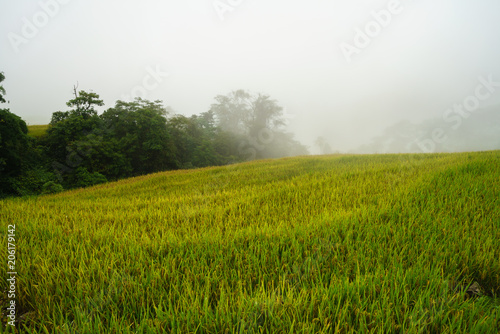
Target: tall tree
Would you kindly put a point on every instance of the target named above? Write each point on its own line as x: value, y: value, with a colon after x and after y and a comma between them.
x: 74, y: 137
x: 266, y: 114
x: 14, y: 145
x: 139, y: 130
x: 84, y: 103
x: 194, y: 139
x: 233, y: 111
x: 260, y: 120
x: 2, y: 90
x: 243, y: 113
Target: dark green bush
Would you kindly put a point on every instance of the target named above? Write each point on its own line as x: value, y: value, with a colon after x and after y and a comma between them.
x: 83, y: 178
x: 31, y: 182
x: 52, y: 187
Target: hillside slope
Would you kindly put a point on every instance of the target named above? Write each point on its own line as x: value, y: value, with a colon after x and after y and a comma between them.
x: 37, y: 131
x: 385, y: 243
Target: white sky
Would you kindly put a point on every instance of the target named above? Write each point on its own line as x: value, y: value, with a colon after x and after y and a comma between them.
x: 426, y: 59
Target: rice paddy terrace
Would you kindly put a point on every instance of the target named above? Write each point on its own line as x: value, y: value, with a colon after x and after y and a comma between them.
x: 345, y: 244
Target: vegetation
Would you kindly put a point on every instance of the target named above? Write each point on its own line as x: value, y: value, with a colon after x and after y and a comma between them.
x: 81, y: 148
x: 2, y: 89
x: 37, y: 131
x: 14, y: 146
x: 347, y: 244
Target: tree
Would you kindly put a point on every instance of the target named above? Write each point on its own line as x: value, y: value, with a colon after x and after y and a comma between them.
x: 259, y: 119
x: 84, y: 106
x: 59, y: 116
x: 233, y: 111
x: 194, y: 139
x: 323, y: 145
x: 265, y: 114
x: 138, y: 129
x: 84, y: 103
x: 22, y: 170
x: 75, y: 137
x: 2, y: 90
x: 240, y: 112
x: 202, y: 129
x: 227, y: 147
x: 14, y: 147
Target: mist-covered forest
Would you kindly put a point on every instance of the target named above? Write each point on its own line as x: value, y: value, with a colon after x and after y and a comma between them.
x: 82, y: 148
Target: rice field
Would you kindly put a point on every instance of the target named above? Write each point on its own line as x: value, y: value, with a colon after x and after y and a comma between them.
x: 323, y: 244
x: 37, y: 131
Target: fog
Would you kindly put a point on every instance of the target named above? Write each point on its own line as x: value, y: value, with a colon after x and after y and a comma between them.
x: 351, y: 72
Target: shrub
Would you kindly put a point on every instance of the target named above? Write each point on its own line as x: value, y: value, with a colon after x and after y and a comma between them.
x: 31, y: 182
x: 51, y: 188
x: 83, y: 178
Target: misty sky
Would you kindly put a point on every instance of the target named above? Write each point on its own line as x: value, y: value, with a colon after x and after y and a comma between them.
x: 427, y: 57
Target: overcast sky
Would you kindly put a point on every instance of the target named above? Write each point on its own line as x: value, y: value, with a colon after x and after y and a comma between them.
x: 421, y: 58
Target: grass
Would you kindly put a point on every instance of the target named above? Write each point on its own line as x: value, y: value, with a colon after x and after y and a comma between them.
x: 345, y: 244
x: 37, y: 131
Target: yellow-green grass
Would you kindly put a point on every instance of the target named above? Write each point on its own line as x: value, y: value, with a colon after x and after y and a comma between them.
x: 347, y: 244
x: 37, y: 131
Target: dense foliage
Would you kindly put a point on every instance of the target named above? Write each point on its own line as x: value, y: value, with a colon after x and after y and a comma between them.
x: 14, y: 143
x: 81, y: 147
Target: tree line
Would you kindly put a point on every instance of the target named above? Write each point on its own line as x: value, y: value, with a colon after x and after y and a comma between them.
x: 83, y: 148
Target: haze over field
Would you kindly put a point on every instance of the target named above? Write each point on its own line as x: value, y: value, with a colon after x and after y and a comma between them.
x: 423, y: 57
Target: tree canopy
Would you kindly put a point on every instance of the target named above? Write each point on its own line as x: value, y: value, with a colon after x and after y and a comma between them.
x: 258, y: 119
x: 2, y: 90
x: 82, y: 147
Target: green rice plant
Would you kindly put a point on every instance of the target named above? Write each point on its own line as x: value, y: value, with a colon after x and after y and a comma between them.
x: 324, y: 244
x: 37, y: 131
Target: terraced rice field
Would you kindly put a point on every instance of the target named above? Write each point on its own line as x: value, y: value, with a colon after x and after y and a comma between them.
x: 37, y: 131
x: 330, y: 244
